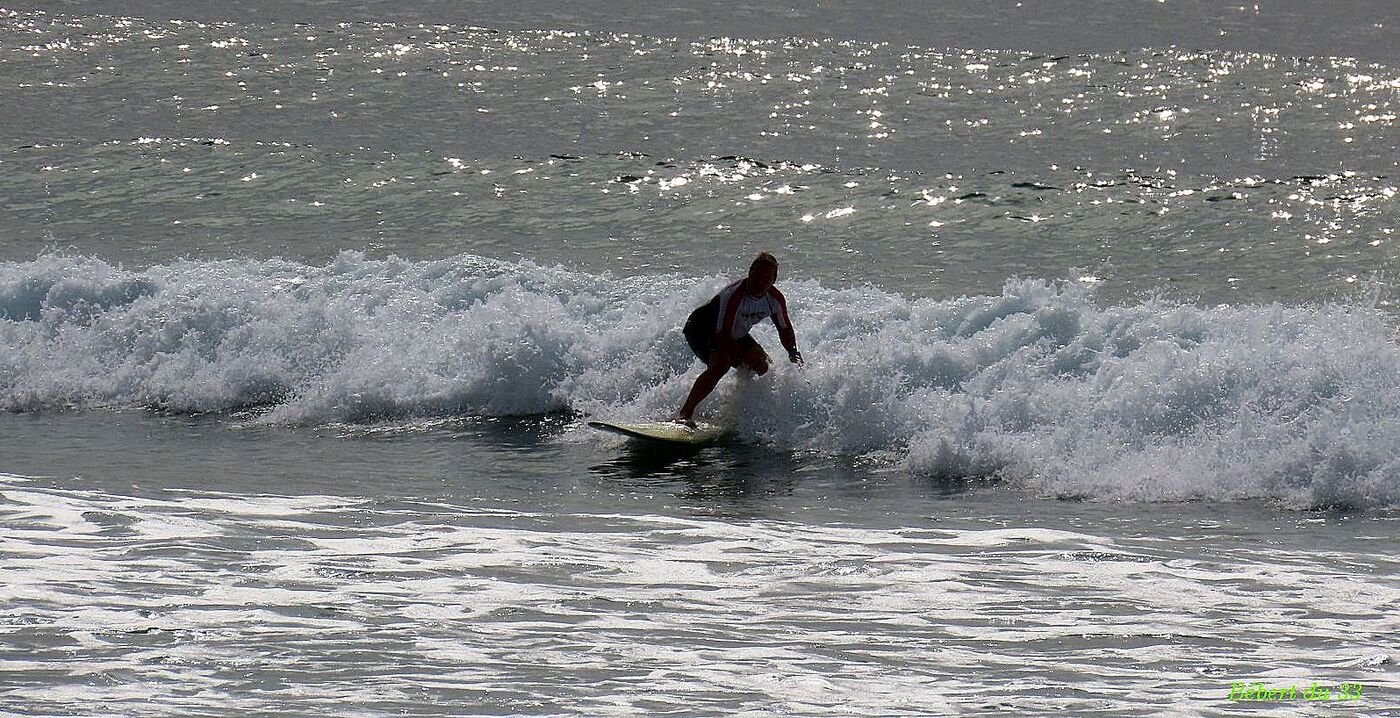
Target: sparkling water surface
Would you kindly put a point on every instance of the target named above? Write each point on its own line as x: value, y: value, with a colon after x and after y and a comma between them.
x: 1228, y: 176
x: 303, y: 306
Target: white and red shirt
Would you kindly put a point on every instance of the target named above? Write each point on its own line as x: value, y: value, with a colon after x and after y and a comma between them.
x: 739, y: 312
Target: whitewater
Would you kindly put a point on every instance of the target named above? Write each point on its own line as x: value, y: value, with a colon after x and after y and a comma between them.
x: 1040, y: 386
x: 305, y: 306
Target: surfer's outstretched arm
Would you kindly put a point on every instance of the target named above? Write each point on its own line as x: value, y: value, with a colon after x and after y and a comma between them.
x: 784, y: 324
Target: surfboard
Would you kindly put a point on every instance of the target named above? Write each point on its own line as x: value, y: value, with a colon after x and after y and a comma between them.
x: 664, y: 431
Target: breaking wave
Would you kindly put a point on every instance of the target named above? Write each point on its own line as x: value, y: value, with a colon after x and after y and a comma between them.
x: 1041, y: 386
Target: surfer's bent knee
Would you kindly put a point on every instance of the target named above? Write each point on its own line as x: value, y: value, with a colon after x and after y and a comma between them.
x: 755, y: 360
x: 759, y: 361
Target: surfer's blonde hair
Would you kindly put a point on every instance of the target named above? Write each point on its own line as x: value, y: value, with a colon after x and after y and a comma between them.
x: 765, y: 258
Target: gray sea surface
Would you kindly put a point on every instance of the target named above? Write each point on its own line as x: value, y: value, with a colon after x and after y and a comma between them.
x: 304, y: 307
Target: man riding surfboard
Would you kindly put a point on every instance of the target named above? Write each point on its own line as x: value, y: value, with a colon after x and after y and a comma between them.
x: 718, y: 332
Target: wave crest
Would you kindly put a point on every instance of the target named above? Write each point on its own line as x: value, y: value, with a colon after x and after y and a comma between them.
x: 1038, y: 385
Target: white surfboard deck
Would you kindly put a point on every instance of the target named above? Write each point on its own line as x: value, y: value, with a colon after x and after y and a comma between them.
x: 663, y: 431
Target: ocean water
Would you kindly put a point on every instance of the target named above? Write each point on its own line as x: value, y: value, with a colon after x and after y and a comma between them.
x: 304, y: 306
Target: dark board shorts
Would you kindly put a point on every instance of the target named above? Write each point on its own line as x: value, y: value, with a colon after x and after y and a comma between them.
x: 700, y: 333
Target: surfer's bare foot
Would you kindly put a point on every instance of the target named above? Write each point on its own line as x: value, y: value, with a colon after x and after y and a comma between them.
x: 685, y: 420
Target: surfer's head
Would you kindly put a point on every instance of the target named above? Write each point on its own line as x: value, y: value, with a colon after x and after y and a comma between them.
x: 762, y: 273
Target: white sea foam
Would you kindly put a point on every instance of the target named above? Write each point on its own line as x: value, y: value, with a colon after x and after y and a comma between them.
x: 1039, y: 385
x: 517, y: 608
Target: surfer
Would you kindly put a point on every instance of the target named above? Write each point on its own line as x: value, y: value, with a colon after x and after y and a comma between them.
x: 718, y: 332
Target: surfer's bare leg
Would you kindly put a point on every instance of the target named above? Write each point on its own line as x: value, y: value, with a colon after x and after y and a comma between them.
x: 704, y: 384
x: 754, y: 359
